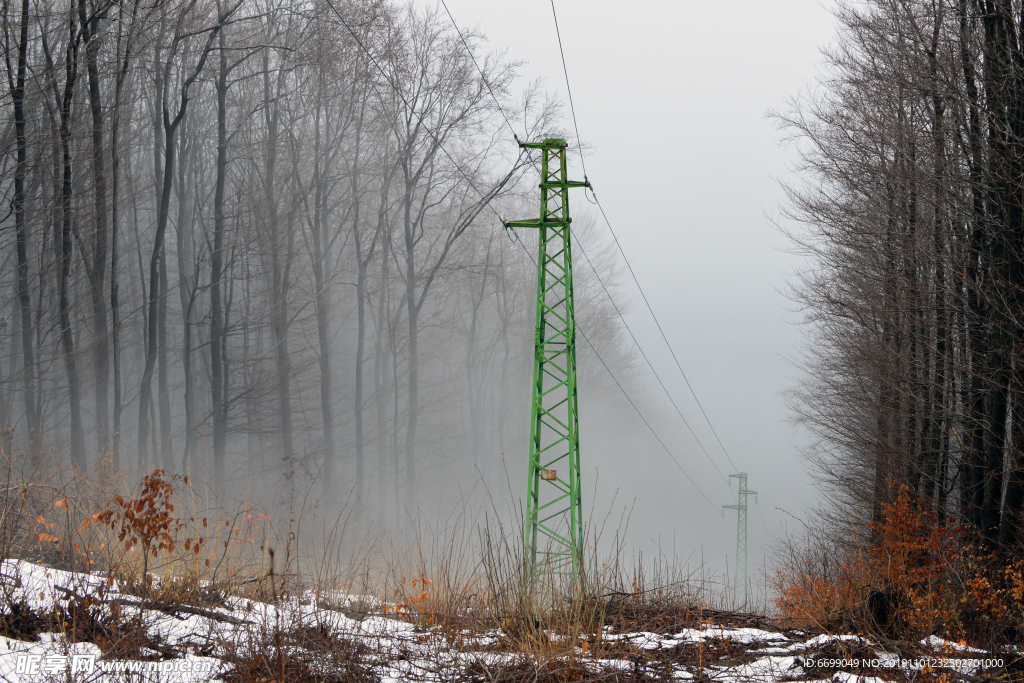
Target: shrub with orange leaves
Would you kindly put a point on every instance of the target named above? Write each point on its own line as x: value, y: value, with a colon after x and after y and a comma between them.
x: 919, y: 575
x: 414, y: 606
x: 916, y: 559
x: 147, y: 521
x: 819, y: 598
x: 45, y: 536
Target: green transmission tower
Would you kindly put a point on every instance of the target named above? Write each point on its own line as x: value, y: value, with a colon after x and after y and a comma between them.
x: 741, y: 534
x: 554, y: 522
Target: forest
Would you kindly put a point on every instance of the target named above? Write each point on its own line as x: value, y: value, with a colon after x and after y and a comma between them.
x: 912, y: 224
x: 262, y: 243
x: 267, y: 337
x: 916, y: 239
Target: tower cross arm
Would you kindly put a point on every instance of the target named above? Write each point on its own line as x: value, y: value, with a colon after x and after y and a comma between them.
x: 537, y: 223
x: 547, y: 143
x: 567, y: 183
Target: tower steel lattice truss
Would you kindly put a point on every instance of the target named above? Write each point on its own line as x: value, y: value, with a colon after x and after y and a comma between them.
x: 554, y: 522
x: 741, y: 534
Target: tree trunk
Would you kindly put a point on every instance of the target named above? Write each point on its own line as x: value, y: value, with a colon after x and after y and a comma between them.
x: 155, y: 289
x: 170, y: 128
x: 279, y: 269
x: 78, y: 456
x: 163, y: 387
x: 412, y: 315
x: 362, y: 264
x: 218, y: 392
x: 21, y: 239
x: 159, y: 134
x: 115, y: 160
x: 186, y: 296
x: 321, y: 278
x: 379, y: 361
x: 97, y: 272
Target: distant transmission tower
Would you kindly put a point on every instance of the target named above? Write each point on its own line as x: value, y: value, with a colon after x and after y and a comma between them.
x: 554, y: 511
x: 741, y: 533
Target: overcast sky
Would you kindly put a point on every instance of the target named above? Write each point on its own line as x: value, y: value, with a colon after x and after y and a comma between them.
x: 673, y: 98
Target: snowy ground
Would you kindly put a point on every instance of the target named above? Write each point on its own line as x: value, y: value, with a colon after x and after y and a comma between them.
x: 217, y: 643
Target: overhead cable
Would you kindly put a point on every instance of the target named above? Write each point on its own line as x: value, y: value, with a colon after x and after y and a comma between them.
x: 661, y: 330
x: 607, y: 292
x: 648, y: 361
x: 480, y: 71
x: 626, y: 394
x: 572, y: 108
x: 568, y: 89
x: 486, y: 197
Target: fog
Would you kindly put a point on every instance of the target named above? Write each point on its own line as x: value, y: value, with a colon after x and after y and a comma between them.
x: 240, y: 248
x: 673, y: 99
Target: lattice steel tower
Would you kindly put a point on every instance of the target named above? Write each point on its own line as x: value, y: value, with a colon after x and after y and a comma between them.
x: 741, y: 533
x: 554, y: 520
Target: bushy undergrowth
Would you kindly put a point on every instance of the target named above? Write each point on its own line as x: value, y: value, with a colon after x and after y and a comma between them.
x: 156, y: 545
x: 916, y: 576
x: 142, y: 540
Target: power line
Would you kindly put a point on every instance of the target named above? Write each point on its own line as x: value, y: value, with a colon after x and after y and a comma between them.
x: 492, y: 193
x: 612, y: 300
x: 624, y: 393
x: 763, y: 525
x: 583, y: 163
x: 661, y: 330
x: 608, y: 223
x: 529, y: 153
x: 642, y: 353
x: 480, y: 71
x: 530, y: 156
x: 607, y: 292
x: 615, y: 379
x: 568, y: 89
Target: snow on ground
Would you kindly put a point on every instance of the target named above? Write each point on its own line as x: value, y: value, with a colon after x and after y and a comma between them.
x: 193, y: 647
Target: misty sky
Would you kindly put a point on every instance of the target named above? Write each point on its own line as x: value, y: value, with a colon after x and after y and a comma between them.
x: 673, y: 97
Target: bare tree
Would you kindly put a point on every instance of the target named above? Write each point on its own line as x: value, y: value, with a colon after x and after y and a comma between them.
x: 913, y: 141
x: 170, y: 128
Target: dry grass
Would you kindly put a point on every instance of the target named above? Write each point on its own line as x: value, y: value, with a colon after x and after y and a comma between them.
x: 170, y: 549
